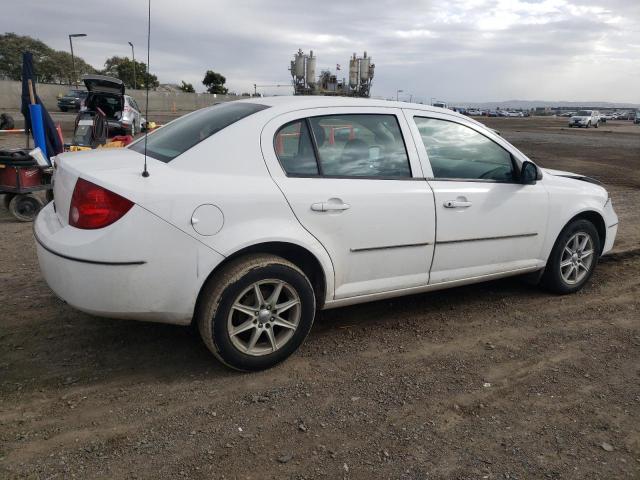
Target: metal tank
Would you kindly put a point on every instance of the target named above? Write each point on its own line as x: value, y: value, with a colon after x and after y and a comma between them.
x: 365, y: 63
x: 311, y: 69
x: 298, y: 65
x: 353, y: 71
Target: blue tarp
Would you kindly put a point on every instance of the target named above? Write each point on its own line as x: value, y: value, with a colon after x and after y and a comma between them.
x: 51, y: 138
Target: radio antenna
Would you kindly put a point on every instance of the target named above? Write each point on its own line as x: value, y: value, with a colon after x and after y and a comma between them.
x: 145, y: 172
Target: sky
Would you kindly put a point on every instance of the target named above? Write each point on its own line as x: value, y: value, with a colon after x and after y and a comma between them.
x: 452, y: 50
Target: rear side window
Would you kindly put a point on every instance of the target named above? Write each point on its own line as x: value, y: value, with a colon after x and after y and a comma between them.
x: 294, y: 149
x: 351, y: 146
x: 458, y: 152
x: 361, y: 145
x: 168, y: 142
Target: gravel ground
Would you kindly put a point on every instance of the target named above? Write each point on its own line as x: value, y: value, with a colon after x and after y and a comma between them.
x: 495, y: 381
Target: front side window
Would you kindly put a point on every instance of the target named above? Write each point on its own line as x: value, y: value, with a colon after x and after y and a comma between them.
x: 294, y: 149
x: 168, y: 142
x: 459, y: 152
x: 361, y: 145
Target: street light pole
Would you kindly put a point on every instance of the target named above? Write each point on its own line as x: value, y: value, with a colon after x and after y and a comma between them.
x: 398, y: 92
x: 73, y: 60
x: 133, y: 54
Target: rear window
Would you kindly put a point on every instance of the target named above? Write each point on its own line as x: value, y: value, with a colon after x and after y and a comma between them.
x: 168, y: 142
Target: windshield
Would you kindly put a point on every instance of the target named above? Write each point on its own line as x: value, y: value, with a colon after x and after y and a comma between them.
x: 583, y: 113
x: 168, y: 142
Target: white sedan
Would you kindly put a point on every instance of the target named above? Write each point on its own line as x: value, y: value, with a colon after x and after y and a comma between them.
x: 256, y: 214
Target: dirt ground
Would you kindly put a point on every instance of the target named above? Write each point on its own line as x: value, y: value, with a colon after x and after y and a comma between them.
x: 492, y: 381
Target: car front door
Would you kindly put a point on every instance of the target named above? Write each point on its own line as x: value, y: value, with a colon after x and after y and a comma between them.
x: 487, y: 221
x: 352, y: 182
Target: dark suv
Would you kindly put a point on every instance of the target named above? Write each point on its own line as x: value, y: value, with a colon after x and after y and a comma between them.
x: 72, y: 100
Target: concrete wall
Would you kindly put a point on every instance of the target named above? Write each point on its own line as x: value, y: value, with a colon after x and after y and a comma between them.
x: 10, y: 92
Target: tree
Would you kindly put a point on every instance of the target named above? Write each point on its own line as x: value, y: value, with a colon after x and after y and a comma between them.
x: 51, y: 66
x: 122, y: 68
x: 186, y: 87
x: 214, y: 82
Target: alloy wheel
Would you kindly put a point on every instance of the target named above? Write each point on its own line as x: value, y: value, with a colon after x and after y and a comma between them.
x: 577, y: 257
x: 264, y: 317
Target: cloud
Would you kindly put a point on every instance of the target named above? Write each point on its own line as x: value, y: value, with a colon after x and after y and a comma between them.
x: 457, y: 50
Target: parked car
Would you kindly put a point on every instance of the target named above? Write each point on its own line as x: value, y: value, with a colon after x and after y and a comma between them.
x: 636, y: 119
x: 604, y: 117
x: 72, y: 100
x: 108, y: 95
x: 567, y: 114
x: 257, y: 213
x: 585, y: 118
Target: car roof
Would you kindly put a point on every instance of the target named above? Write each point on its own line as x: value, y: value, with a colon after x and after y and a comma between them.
x: 318, y: 101
x: 291, y: 103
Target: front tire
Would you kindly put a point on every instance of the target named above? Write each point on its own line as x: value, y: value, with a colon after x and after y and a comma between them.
x: 256, y: 312
x: 573, y: 259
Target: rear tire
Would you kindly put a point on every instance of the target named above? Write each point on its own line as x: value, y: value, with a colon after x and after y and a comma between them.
x: 25, y: 207
x: 245, y: 323
x: 573, y: 259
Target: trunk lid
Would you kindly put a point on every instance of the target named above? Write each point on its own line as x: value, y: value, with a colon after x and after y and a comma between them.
x: 103, y: 84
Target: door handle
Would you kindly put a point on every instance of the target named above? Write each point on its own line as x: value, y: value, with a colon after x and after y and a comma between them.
x: 329, y: 207
x: 456, y: 204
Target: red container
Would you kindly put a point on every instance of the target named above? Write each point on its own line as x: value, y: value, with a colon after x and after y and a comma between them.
x: 20, y: 177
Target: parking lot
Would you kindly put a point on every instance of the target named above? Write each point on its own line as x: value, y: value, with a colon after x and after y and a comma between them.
x: 498, y: 380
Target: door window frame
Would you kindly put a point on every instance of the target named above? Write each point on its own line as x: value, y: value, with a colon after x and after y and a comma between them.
x: 413, y: 160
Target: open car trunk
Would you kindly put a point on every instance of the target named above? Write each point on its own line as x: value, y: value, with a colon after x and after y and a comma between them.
x: 105, y: 94
x: 110, y: 104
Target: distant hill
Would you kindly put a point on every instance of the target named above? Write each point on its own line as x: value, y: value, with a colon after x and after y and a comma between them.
x: 529, y: 104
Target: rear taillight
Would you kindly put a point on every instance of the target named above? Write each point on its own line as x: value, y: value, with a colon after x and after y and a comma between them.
x: 94, y: 207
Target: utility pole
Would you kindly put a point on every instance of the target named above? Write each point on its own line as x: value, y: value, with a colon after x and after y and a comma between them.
x: 398, y: 92
x: 133, y: 55
x: 73, y: 60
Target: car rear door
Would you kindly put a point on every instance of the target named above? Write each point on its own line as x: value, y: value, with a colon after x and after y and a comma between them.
x: 355, y: 185
x: 487, y: 221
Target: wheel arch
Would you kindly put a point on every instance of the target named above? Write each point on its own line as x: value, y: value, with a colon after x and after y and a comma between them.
x: 296, y: 254
x: 597, y: 220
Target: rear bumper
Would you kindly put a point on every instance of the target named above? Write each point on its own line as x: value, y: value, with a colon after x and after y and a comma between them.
x: 143, y: 269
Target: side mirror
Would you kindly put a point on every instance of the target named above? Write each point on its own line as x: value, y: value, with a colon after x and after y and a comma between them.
x: 528, y: 173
